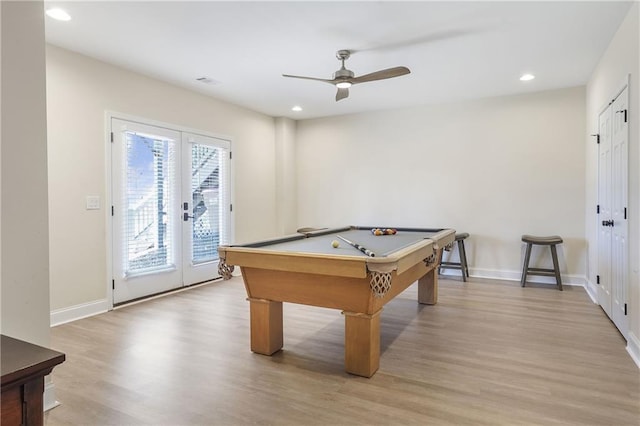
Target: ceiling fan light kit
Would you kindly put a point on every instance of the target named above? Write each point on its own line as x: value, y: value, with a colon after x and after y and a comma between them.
x: 344, y: 78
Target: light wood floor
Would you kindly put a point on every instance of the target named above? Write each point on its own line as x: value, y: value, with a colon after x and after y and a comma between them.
x: 489, y: 353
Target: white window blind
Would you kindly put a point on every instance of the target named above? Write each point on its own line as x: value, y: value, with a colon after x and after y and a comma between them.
x: 148, y: 200
x: 209, y: 200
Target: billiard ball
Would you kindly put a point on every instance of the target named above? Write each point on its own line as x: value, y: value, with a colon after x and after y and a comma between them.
x: 335, y: 244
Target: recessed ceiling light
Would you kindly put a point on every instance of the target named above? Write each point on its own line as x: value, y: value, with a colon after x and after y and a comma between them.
x: 296, y: 108
x: 58, y: 14
x: 527, y: 77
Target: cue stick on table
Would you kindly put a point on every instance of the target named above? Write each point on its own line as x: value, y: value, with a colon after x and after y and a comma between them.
x: 358, y: 246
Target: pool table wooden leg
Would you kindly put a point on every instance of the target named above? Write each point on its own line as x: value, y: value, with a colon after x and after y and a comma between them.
x: 362, y: 343
x: 266, y: 326
x: 428, y: 284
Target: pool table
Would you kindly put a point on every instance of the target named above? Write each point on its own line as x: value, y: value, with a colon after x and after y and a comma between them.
x: 305, y: 268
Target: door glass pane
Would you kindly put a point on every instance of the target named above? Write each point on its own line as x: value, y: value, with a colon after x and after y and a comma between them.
x: 206, y: 168
x: 149, y: 195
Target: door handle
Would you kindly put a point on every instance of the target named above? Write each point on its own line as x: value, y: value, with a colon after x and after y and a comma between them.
x: 185, y: 215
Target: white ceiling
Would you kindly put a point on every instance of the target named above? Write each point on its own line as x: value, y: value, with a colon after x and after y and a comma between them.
x: 455, y: 50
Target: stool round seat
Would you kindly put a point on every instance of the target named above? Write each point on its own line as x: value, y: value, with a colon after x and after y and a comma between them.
x: 462, y: 236
x: 545, y: 241
x: 551, y: 242
x: 306, y: 230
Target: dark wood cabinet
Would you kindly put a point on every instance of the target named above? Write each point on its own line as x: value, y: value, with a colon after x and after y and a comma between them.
x: 24, y: 366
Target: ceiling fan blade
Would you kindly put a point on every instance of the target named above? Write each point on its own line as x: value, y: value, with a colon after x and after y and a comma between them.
x: 342, y: 93
x: 381, y: 75
x: 308, y: 78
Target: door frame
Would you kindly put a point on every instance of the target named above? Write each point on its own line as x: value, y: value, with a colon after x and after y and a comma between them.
x: 108, y: 116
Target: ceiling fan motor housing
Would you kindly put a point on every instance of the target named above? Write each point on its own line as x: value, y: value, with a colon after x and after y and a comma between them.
x: 343, y: 74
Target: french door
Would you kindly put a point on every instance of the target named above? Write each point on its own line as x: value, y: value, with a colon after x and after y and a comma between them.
x: 613, y: 244
x: 171, y: 208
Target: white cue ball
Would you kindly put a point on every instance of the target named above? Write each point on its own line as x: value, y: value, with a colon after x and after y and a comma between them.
x: 335, y: 244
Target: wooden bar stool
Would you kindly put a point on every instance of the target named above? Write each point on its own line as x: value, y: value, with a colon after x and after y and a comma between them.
x: 462, y: 265
x: 551, y: 241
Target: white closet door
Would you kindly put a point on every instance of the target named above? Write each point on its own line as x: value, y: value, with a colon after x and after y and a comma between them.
x: 604, y: 201
x: 613, y: 243
x: 619, y: 230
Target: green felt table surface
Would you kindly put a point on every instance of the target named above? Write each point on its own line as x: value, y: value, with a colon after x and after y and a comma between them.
x: 382, y: 245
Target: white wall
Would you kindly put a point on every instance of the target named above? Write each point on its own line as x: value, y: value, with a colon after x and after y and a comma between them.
x: 0, y: 166
x: 620, y: 59
x: 496, y: 168
x: 25, y: 249
x: 286, y: 175
x: 79, y: 92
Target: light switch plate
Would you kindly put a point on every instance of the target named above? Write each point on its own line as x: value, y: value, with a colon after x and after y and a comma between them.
x: 93, y: 202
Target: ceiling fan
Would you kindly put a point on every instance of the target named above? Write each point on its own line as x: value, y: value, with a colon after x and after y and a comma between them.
x: 344, y: 78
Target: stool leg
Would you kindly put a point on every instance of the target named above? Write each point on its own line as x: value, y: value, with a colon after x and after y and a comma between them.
x: 525, y: 266
x: 463, y: 261
x: 440, y: 259
x: 464, y: 256
x: 556, y: 267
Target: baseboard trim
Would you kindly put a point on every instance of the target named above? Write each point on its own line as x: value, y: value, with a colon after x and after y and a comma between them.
x: 73, y: 313
x: 633, y: 347
x: 592, y: 291
x: 49, y: 400
x: 494, y: 274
